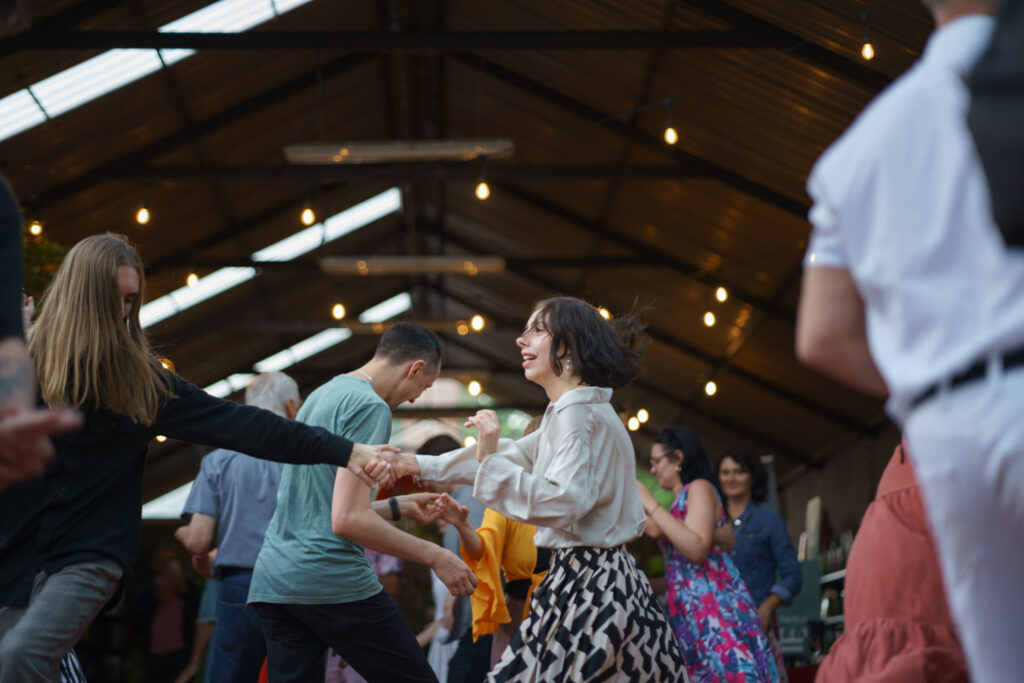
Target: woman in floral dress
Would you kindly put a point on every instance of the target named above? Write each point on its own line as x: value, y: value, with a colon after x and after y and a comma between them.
x: 710, y: 608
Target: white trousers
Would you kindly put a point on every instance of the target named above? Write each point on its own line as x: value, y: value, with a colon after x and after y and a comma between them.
x: 967, y: 445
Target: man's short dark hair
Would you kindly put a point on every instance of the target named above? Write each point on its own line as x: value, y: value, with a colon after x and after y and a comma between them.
x: 407, y: 342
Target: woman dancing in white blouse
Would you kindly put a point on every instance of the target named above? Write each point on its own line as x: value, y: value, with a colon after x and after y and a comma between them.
x: 594, y: 616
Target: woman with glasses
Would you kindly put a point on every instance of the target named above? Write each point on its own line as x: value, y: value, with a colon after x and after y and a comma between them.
x: 710, y: 609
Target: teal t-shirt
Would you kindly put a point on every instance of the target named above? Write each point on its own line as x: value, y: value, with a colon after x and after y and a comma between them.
x: 302, y: 561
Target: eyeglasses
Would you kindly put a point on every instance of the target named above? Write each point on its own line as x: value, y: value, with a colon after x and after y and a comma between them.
x: 655, y: 459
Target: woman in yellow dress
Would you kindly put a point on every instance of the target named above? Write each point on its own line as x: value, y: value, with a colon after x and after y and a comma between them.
x: 500, y: 544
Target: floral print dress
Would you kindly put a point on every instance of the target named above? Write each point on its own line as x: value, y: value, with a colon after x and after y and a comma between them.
x: 713, y: 616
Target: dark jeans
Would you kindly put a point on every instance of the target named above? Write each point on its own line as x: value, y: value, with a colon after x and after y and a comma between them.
x: 371, y: 635
x: 238, y: 647
x: 471, y: 661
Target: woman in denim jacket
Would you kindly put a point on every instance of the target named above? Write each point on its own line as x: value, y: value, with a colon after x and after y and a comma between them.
x: 762, y: 545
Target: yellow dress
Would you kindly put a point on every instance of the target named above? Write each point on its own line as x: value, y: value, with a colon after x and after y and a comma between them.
x: 507, y: 544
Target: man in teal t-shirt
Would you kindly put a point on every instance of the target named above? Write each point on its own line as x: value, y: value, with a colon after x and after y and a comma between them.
x: 312, y: 585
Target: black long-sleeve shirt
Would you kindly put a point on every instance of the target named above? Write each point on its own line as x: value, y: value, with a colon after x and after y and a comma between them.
x: 10, y: 263
x: 87, y: 505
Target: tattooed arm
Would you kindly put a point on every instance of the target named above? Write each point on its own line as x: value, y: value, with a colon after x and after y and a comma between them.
x: 24, y: 430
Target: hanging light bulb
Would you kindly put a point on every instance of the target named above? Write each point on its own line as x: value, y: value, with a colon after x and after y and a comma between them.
x: 35, y: 228
x: 867, y: 50
x: 604, y: 312
x: 192, y: 280
x: 474, y: 388
x: 709, y: 319
x: 721, y: 294
x: 643, y: 416
x: 477, y: 323
x: 338, y: 311
x: 142, y: 215
x: 469, y: 441
x: 161, y: 438
x: 671, y: 136
x: 462, y: 328
x: 483, y: 190
x: 308, y: 217
x: 710, y: 388
x: 633, y: 424
x: 167, y: 364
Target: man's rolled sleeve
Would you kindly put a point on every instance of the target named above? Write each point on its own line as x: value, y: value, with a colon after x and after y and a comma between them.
x: 826, y: 247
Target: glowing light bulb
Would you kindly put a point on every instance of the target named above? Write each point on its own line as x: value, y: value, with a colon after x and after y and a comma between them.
x: 721, y: 294
x: 671, y: 136
x: 867, y: 51
x: 477, y: 323
x: 192, y: 280
x: 633, y: 424
x: 469, y: 441
x: 167, y: 364
x: 36, y: 228
x: 474, y: 388
x: 483, y: 190
x: 308, y: 217
x: 161, y: 438
x: 643, y: 416
x: 710, y: 388
x: 605, y: 313
x: 462, y: 328
x: 338, y: 311
x: 709, y: 319
x: 142, y: 216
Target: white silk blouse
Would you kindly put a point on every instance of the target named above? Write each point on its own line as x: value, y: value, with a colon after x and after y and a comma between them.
x: 574, y: 478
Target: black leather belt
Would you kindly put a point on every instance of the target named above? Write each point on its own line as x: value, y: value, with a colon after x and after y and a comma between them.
x: 224, y: 572
x: 520, y: 587
x: 976, y: 371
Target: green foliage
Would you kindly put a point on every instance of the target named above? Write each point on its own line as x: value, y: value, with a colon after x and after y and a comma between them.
x: 42, y: 257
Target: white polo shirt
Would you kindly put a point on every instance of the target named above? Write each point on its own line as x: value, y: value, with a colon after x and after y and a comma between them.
x: 900, y: 200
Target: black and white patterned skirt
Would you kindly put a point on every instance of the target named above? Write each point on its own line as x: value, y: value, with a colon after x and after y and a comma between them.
x: 594, y: 618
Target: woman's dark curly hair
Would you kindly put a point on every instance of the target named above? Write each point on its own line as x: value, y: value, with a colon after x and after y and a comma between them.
x: 604, y: 353
x: 749, y: 463
x: 695, y: 459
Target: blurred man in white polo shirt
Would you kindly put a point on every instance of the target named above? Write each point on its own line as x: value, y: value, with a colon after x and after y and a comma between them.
x: 909, y: 290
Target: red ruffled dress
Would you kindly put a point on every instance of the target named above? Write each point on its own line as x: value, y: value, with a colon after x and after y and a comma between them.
x: 898, y: 626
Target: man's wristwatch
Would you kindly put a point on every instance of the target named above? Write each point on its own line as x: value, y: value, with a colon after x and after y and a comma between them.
x: 396, y: 511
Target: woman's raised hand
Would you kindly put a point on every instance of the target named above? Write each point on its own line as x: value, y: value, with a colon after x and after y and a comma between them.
x: 488, y: 430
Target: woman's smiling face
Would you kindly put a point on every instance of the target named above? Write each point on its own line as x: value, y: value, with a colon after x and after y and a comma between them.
x: 535, y: 348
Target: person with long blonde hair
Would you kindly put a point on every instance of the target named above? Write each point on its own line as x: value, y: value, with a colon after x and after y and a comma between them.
x: 70, y: 536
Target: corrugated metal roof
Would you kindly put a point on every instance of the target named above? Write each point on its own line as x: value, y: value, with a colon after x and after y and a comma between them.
x: 727, y: 209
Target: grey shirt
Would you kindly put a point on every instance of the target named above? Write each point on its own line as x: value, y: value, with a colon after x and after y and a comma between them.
x: 240, y: 492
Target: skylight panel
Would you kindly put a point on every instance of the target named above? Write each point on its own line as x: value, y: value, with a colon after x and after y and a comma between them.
x: 83, y: 82
x: 113, y: 69
x: 338, y: 225
x: 226, y: 16
x: 300, y: 243
x: 304, y: 349
x: 387, y: 309
x: 213, y: 284
x: 19, y: 112
x: 230, y: 384
x: 169, y: 505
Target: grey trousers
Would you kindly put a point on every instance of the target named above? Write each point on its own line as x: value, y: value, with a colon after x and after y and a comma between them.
x: 34, y: 639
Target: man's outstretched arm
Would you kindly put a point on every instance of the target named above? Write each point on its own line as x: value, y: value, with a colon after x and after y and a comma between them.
x: 353, y: 517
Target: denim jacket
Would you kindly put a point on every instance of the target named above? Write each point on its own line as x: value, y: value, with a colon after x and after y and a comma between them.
x: 762, y: 545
